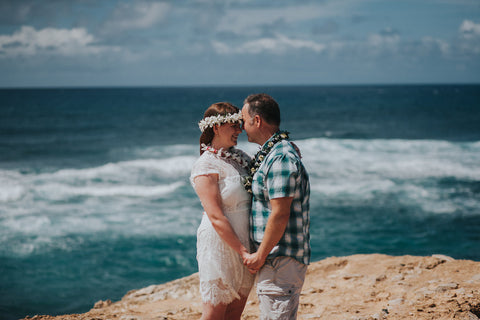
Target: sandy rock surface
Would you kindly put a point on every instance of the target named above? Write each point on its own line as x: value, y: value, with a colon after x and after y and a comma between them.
x: 355, y: 287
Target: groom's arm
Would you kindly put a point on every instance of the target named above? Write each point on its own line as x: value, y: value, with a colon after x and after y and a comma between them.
x: 274, y: 230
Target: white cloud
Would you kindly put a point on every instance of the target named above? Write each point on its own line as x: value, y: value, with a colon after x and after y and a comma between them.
x: 469, y: 38
x: 430, y: 44
x: 67, y: 42
x: 248, y: 22
x: 138, y: 15
x: 388, y: 44
x: 277, y: 45
x: 469, y: 29
x: 386, y: 39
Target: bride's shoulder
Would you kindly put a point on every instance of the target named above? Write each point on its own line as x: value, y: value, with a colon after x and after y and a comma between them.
x: 205, y: 158
x: 205, y: 164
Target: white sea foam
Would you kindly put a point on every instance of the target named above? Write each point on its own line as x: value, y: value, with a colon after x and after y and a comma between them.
x: 121, y: 170
x: 152, y: 196
x: 39, y: 211
x: 56, y: 191
x: 10, y: 188
x: 359, y: 170
x: 391, y: 158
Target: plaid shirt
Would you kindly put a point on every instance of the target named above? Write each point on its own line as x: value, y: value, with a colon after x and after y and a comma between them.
x: 282, y: 175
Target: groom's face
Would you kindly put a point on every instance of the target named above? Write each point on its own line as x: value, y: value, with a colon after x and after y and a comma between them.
x: 248, y: 123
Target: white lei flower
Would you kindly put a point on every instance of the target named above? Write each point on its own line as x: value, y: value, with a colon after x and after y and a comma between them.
x: 209, y: 122
x: 235, y: 155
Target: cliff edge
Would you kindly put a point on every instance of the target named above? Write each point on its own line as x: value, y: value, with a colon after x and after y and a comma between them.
x: 372, y: 286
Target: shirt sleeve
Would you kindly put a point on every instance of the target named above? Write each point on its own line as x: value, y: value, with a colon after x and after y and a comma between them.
x: 281, y: 177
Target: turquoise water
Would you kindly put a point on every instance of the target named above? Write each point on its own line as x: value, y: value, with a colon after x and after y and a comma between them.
x: 95, y: 199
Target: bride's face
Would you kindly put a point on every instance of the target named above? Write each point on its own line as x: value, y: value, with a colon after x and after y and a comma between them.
x: 227, y: 134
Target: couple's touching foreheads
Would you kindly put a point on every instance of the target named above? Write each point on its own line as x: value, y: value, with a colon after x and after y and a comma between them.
x: 255, y: 224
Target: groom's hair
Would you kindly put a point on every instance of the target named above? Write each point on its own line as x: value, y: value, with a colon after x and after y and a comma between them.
x: 265, y: 106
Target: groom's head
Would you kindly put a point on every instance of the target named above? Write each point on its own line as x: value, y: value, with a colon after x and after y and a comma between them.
x: 261, y: 117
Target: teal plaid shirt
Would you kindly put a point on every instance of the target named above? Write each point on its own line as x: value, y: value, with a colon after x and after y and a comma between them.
x: 282, y: 175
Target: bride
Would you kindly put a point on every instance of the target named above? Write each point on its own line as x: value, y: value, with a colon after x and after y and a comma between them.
x: 223, y: 235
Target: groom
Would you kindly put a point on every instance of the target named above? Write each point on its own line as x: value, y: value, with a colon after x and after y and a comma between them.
x: 280, y: 220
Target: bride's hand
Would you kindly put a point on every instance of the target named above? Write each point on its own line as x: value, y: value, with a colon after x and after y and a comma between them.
x: 253, y: 262
x: 246, y: 258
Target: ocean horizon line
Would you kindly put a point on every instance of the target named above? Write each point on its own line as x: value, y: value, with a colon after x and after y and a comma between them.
x: 278, y: 85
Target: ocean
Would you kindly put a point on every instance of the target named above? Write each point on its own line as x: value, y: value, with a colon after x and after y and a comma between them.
x: 95, y: 198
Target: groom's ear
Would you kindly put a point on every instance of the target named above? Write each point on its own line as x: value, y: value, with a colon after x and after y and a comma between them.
x: 257, y: 121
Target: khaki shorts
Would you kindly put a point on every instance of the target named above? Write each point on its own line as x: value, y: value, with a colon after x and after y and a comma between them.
x: 279, y: 284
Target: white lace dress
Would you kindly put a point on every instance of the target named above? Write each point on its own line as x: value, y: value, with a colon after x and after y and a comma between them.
x: 223, y: 277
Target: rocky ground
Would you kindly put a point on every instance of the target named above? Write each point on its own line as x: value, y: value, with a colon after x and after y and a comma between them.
x: 355, y: 287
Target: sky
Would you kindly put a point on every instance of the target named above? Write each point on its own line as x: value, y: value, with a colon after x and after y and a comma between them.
x: 91, y: 43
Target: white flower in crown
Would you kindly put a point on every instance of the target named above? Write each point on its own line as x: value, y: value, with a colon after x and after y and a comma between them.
x: 209, y: 122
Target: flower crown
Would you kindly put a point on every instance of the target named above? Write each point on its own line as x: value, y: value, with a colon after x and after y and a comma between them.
x: 209, y: 122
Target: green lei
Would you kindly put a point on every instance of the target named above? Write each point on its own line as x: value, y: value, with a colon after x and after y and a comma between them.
x: 261, y: 155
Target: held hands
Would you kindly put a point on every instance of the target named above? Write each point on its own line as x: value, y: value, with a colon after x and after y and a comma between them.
x: 253, y: 261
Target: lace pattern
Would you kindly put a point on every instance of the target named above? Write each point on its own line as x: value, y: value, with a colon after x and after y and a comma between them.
x: 216, y: 292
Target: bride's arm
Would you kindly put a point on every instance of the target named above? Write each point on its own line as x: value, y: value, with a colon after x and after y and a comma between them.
x: 206, y: 187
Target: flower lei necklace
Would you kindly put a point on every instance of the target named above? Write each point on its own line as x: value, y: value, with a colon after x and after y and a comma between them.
x: 234, y: 154
x: 261, y: 155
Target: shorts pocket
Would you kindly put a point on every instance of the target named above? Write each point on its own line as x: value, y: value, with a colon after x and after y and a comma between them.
x: 275, y: 290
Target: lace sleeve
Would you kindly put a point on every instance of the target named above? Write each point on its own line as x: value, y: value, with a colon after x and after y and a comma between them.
x: 203, y: 166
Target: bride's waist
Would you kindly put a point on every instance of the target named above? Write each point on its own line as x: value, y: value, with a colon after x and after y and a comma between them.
x: 237, y: 207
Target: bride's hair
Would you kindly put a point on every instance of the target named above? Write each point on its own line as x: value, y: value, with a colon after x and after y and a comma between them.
x: 219, y: 108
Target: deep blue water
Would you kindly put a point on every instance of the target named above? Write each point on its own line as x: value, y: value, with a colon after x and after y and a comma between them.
x: 95, y: 199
